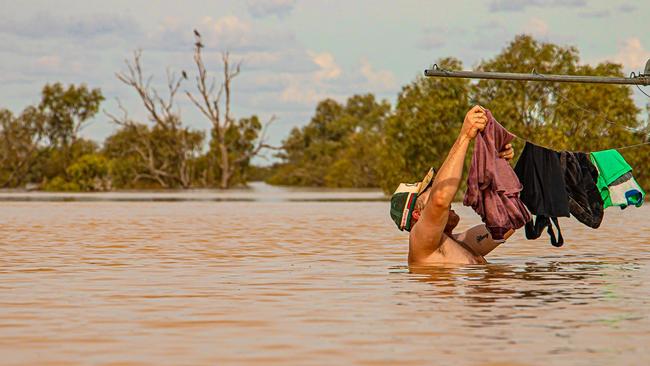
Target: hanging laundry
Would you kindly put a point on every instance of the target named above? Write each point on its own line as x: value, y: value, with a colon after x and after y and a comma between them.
x: 625, y: 191
x: 492, y: 186
x: 580, y: 176
x: 544, y: 191
x: 615, y: 180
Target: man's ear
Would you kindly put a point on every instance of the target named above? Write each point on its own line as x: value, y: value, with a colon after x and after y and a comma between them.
x: 416, y: 215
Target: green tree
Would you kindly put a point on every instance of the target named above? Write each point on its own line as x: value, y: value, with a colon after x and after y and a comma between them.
x: 240, y: 139
x: 42, y: 142
x: 308, y: 152
x: 338, y: 148
x: 65, y: 112
x: 361, y: 127
x: 52, y: 160
x: 141, y: 156
x: 121, y: 149
x: 19, y: 146
x: 88, y: 173
x: 426, y: 122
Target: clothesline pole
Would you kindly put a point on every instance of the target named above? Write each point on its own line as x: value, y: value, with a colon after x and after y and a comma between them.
x: 642, y: 79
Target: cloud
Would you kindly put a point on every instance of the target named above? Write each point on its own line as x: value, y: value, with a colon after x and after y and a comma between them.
x: 329, y: 81
x: 236, y: 34
x: 229, y: 26
x: 290, y: 88
x: 169, y: 35
x: 228, y: 33
x: 632, y: 55
x: 295, y: 60
x: 47, y: 66
x: 378, y: 80
x: 43, y: 26
x: 596, y: 14
x: 627, y: 8
x: 265, y: 8
x: 536, y: 27
x: 328, y: 67
x: 297, y: 92
x: 311, y: 87
x: 431, y: 41
x: 435, y: 37
x: 539, y: 29
x: 521, y: 5
x: 48, y: 62
x: 487, y: 37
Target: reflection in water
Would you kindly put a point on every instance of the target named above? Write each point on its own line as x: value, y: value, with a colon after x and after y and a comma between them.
x: 515, y: 286
x: 277, y: 282
x: 257, y: 192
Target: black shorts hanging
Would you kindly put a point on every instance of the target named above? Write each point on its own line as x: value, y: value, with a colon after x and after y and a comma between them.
x: 544, y: 190
x: 580, y: 177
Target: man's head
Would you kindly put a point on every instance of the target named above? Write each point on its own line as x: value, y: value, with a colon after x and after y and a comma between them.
x: 409, y: 200
x: 422, y: 201
x: 403, y: 201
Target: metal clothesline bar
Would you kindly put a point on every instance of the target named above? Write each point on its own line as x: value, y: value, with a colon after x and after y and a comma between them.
x: 643, y: 79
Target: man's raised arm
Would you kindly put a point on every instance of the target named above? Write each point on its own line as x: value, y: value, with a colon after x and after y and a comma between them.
x: 427, y: 233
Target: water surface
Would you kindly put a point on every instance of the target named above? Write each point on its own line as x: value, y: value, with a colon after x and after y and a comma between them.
x: 286, y: 277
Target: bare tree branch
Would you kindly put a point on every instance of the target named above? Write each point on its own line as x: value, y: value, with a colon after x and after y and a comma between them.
x: 261, y: 143
x: 162, y: 113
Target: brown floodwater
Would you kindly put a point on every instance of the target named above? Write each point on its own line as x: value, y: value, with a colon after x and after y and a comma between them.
x: 297, y: 277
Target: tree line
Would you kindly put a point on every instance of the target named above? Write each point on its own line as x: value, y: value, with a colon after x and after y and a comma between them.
x: 366, y: 143
x: 41, y: 147
x: 362, y: 142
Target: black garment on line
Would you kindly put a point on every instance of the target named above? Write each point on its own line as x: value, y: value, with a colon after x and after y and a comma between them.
x: 580, y: 176
x: 544, y: 192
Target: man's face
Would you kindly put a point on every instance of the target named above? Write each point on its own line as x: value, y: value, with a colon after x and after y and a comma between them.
x: 452, y: 220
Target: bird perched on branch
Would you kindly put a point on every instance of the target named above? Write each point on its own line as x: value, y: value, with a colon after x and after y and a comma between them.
x: 198, y: 43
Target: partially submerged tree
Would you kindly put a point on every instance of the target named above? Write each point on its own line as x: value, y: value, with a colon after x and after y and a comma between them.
x: 339, y: 147
x: 19, y: 145
x: 67, y: 111
x: 233, y: 143
x: 88, y: 173
x: 43, y: 141
x: 164, y: 152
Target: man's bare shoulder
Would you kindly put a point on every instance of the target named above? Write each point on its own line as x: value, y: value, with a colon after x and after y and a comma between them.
x: 448, y: 251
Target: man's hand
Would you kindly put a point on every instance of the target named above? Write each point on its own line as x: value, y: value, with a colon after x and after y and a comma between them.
x: 475, y: 121
x: 507, y: 153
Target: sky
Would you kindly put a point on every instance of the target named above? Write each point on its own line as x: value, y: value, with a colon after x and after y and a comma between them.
x: 294, y: 53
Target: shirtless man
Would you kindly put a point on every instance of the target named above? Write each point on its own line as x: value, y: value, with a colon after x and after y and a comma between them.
x: 432, y: 220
